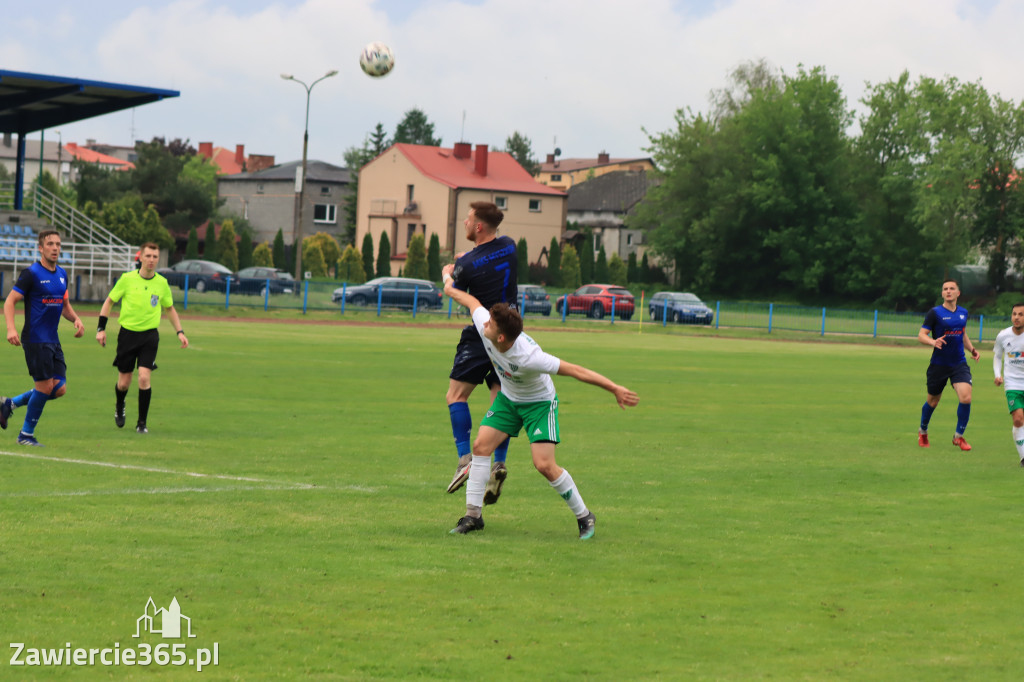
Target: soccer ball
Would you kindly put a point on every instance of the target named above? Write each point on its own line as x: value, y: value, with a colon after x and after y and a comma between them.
x: 377, y: 59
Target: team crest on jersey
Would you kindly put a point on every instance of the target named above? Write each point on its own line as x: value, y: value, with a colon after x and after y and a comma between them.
x: 154, y: 300
x: 514, y: 368
x: 62, y: 280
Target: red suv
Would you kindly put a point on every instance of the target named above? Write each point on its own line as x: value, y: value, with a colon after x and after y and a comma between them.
x: 598, y: 300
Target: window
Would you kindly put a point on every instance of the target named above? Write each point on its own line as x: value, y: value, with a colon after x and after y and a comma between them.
x: 501, y: 203
x: 409, y: 193
x: 259, y: 188
x: 410, y: 231
x: 556, y: 177
x: 325, y: 213
x: 629, y: 240
x: 325, y: 191
x: 535, y: 205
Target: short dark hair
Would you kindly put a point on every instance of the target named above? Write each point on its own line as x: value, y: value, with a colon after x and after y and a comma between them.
x: 1016, y: 305
x: 950, y: 279
x: 149, y: 245
x: 46, y: 233
x: 488, y: 213
x: 507, y: 320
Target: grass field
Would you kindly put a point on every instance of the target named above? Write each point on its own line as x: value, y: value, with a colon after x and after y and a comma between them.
x: 765, y: 513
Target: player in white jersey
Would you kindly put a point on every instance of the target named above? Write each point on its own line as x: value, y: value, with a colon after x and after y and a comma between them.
x: 1008, y: 365
x: 527, y: 399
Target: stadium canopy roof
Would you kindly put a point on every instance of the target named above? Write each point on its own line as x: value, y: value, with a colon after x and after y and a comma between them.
x: 31, y: 102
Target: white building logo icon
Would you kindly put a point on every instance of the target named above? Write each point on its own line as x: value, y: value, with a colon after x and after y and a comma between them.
x: 169, y: 621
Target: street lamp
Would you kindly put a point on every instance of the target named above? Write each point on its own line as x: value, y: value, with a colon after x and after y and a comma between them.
x: 297, y: 237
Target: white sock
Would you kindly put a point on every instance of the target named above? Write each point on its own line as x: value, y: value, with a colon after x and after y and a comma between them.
x: 1018, y: 439
x: 566, y: 487
x: 477, y: 482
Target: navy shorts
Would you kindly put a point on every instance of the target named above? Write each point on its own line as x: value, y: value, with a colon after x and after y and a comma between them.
x: 938, y: 375
x: 472, y: 365
x: 45, y: 360
x: 136, y: 348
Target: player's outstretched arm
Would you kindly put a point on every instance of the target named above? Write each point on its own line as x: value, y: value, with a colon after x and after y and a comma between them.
x: 623, y: 396
x: 458, y: 295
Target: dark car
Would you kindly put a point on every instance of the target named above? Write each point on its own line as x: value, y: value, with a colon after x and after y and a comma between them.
x: 598, y: 300
x: 680, y: 307
x: 534, y: 299
x: 259, y: 279
x: 392, y: 292
x: 202, y: 275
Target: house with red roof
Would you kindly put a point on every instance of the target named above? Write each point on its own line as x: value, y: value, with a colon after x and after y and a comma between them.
x: 233, y: 162
x: 104, y: 161
x: 416, y: 189
x: 564, y: 174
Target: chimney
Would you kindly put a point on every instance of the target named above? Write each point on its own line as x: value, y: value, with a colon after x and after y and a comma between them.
x: 89, y: 142
x: 551, y: 158
x: 602, y: 157
x: 461, y: 150
x: 206, y: 150
x: 240, y: 154
x: 481, y: 160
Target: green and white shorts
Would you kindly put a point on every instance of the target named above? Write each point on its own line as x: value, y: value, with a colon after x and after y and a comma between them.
x: 1015, y: 400
x: 539, y: 419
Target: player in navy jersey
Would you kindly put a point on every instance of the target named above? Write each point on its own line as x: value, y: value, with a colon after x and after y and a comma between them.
x: 490, y: 273
x: 44, y: 288
x: 945, y: 330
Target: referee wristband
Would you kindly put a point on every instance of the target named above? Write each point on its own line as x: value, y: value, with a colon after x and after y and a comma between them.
x: 180, y: 331
x: 102, y: 326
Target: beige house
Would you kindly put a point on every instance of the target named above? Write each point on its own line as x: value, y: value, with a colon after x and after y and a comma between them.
x: 415, y: 189
x: 564, y: 174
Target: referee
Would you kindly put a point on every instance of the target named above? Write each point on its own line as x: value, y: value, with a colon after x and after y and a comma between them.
x: 143, y: 294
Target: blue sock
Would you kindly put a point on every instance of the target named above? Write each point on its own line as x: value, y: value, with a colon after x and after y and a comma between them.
x: 963, y: 413
x: 501, y: 452
x: 35, y: 411
x: 22, y: 400
x: 462, y: 427
x: 926, y: 416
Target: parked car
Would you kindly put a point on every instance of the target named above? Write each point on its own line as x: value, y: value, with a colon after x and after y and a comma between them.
x: 394, y: 292
x: 534, y: 299
x: 680, y: 307
x: 202, y: 275
x: 257, y: 279
x: 596, y: 300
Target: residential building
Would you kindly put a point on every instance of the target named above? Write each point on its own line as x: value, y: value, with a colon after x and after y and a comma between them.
x: 233, y: 162
x: 602, y: 204
x: 55, y: 159
x: 565, y: 174
x: 269, y: 199
x: 417, y: 189
x: 86, y: 155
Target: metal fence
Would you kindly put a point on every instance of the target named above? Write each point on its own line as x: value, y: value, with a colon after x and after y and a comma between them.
x: 770, y: 317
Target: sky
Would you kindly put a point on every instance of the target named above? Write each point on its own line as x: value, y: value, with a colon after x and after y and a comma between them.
x: 585, y: 76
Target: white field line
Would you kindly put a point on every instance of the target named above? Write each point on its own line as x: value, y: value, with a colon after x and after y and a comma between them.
x: 262, y: 484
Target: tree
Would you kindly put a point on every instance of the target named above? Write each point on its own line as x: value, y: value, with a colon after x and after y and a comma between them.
x: 523, y: 261
x: 521, y: 149
x: 601, y: 267
x: 150, y: 230
x: 416, y: 258
x: 434, y: 259
x: 313, y: 258
x: 617, y: 271
x: 245, y: 250
x: 227, y: 246
x: 192, y: 247
x: 554, y: 263
x: 350, y: 267
x: 368, y: 254
x: 570, y: 270
x: 587, y: 255
x: 632, y: 272
x: 280, y: 258
x: 263, y: 256
x: 645, y: 270
x: 384, y: 256
x: 414, y: 128
x: 329, y: 249
x: 211, y: 249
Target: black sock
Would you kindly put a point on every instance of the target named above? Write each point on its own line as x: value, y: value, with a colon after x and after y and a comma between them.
x: 144, y: 397
x: 120, y: 396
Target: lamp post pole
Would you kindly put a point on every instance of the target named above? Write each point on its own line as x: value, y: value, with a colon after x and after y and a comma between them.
x: 297, y: 234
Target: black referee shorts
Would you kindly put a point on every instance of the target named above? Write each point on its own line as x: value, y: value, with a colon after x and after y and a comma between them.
x: 136, y: 349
